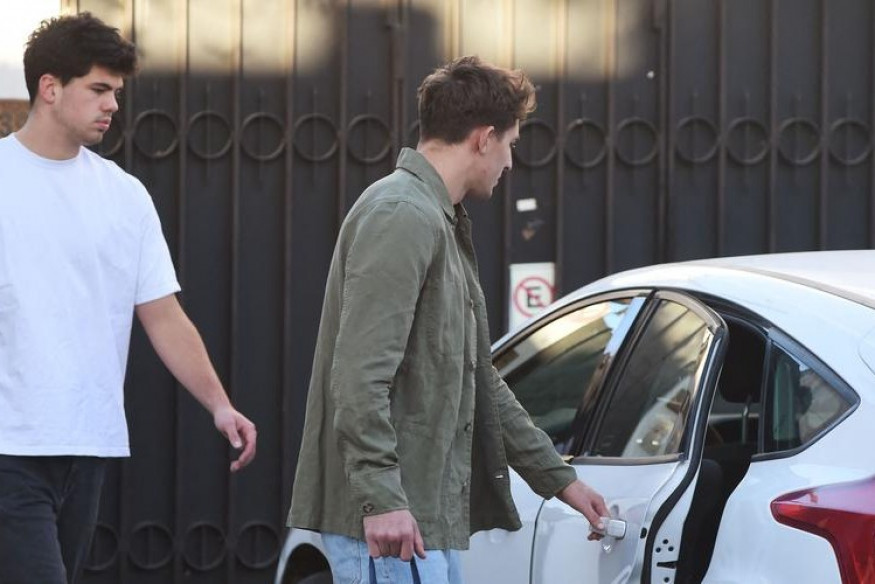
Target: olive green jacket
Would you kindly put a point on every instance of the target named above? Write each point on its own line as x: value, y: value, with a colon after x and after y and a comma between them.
x: 405, y: 409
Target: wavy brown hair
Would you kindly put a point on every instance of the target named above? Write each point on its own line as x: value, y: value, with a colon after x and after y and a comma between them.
x: 468, y: 93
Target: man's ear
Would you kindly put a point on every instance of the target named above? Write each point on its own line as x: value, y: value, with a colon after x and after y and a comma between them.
x: 480, y: 137
x: 48, y: 88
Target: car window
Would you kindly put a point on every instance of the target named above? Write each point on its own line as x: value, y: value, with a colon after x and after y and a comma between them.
x: 551, y: 370
x: 801, y: 402
x: 648, y: 411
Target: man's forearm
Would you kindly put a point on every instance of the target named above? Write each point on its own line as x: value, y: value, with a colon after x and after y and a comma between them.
x: 181, y: 349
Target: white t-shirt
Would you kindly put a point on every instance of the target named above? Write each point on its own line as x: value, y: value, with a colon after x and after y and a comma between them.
x: 80, y: 246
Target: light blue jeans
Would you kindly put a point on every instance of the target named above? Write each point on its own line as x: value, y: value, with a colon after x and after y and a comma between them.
x: 349, y: 564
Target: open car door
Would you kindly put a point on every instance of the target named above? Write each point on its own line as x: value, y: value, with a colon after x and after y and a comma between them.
x: 638, y: 442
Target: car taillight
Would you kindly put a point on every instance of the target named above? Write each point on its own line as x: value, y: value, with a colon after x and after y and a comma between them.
x: 843, y: 514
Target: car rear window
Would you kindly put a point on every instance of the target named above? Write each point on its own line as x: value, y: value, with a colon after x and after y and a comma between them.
x: 801, y: 403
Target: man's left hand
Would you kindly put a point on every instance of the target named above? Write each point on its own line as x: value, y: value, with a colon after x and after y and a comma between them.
x: 239, y: 431
x: 583, y: 498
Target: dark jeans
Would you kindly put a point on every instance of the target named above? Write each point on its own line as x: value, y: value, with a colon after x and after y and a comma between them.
x: 48, y: 510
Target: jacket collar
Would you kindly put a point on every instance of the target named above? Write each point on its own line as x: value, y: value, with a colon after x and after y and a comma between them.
x: 417, y: 164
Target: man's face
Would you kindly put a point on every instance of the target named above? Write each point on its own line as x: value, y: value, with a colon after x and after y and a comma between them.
x: 496, y: 159
x: 84, y: 107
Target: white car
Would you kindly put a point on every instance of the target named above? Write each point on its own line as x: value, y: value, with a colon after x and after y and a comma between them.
x: 724, y: 408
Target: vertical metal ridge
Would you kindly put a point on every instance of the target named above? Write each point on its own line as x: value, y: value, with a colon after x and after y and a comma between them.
x: 823, y: 195
x: 344, y: 9
x: 458, y: 29
x: 404, y: 119
x: 287, y: 450
x: 506, y: 203
x: 721, y: 123
x: 665, y: 156
x: 561, y: 75
x: 125, y: 496
x: 233, y: 365
x: 872, y: 128
x: 395, y: 22
x: 509, y: 49
x: 611, y: 29
x: 182, y: 236
x: 772, y: 206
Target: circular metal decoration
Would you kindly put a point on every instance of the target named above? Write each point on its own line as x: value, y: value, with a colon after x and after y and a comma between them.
x: 158, y: 138
x: 850, y: 142
x: 113, y: 138
x: 364, y: 121
x: 204, y: 547
x: 104, y: 548
x: 215, y: 144
x: 318, y: 138
x: 585, y: 143
x: 538, y: 135
x: 258, y: 546
x: 798, y: 141
x: 413, y: 134
x: 696, y: 140
x: 269, y: 131
x: 151, y: 546
x: 631, y: 132
x: 747, y: 141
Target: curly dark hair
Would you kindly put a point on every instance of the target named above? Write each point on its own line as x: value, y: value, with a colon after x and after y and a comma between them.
x: 468, y: 93
x: 69, y: 46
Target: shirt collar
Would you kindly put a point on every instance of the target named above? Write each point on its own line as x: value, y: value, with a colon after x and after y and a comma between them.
x: 417, y: 164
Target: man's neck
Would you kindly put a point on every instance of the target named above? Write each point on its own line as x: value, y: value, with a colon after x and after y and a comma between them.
x: 451, y: 163
x: 43, y: 139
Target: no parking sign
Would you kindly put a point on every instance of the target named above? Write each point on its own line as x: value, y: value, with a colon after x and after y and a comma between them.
x: 531, y: 290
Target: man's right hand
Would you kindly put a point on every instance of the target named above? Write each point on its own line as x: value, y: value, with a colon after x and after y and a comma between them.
x: 393, y: 534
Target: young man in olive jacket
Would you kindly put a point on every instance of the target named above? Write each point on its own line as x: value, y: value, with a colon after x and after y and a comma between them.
x: 409, y: 429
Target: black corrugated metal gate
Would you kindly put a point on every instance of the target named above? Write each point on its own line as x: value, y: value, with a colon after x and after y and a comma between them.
x: 667, y: 129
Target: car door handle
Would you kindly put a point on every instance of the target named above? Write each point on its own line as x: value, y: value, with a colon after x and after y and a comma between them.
x: 615, y: 528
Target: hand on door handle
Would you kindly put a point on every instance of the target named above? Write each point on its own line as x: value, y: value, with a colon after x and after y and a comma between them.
x: 615, y: 528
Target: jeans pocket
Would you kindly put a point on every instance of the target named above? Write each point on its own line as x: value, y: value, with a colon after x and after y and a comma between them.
x: 346, y: 555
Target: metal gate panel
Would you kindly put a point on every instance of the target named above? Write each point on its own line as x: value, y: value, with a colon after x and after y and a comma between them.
x: 745, y: 151
x: 666, y: 130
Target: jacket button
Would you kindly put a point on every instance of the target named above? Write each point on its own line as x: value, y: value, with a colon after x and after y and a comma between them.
x: 468, y: 427
x: 368, y: 508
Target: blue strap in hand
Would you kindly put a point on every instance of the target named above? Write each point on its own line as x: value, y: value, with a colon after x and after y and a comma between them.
x: 372, y: 569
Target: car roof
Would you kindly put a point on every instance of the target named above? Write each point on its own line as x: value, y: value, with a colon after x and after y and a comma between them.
x: 849, y: 275
x: 803, y: 294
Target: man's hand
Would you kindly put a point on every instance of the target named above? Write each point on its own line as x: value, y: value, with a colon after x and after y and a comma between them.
x: 393, y: 534
x: 182, y: 350
x: 583, y: 498
x: 239, y: 431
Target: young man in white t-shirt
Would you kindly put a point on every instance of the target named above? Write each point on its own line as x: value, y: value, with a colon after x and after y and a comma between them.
x: 81, y: 250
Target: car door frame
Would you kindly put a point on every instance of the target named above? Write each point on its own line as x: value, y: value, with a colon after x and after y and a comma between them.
x: 692, y: 442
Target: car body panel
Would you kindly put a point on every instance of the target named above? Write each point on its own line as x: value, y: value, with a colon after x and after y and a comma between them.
x: 787, y: 554
x: 867, y: 350
x: 633, y: 493
x: 295, y: 539
x: 509, y: 551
